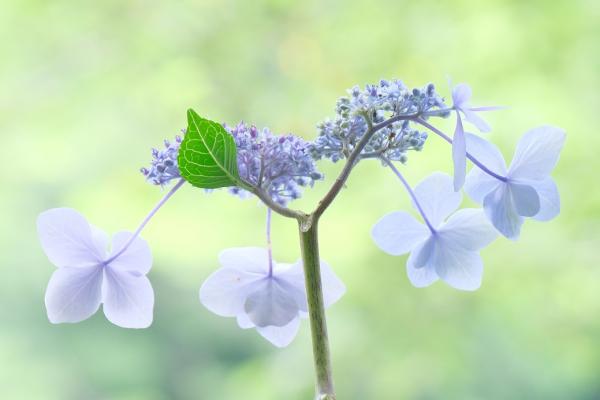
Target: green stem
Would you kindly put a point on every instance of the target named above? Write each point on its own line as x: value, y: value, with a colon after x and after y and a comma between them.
x: 318, y: 325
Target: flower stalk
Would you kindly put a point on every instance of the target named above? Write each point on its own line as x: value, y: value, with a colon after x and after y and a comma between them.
x: 309, y: 245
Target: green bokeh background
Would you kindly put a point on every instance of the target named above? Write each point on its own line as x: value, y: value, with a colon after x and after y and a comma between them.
x: 88, y: 87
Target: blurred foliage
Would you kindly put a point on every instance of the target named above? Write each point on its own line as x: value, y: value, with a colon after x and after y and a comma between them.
x: 88, y: 87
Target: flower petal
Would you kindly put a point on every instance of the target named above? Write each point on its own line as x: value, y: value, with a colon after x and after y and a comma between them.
x: 271, y: 305
x: 128, y: 299
x: 459, y: 154
x: 526, y: 199
x: 537, y: 153
x: 280, y: 336
x: 459, y: 268
x: 249, y: 259
x: 486, y: 153
x: 224, y: 292
x: 244, y: 322
x: 136, y: 258
x: 476, y: 120
x: 549, y: 199
x: 479, y: 184
x: 67, y: 239
x: 461, y: 94
x: 101, y: 239
x: 398, y: 233
x: 468, y: 228
x: 437, y: 197
x: 500, y: 210
x: 73, y: 294
x: 333, y: 287
x: 420, y: 272
x: 291, y: 276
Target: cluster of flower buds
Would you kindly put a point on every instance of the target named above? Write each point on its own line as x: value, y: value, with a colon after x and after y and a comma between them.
x: 376, y: 103
x: 281, y: 165
x: 163, y: 167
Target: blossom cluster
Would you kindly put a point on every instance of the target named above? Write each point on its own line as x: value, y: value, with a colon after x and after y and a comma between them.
x: 375, y: 104
x: 279, y: 164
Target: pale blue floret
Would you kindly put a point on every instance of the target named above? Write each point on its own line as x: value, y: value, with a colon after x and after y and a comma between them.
x: 87, y: 275
x: 461, y: 95
x: 338, y: 137
x: 528, y: 190
x: 448, y: 246
x: 263, y: 294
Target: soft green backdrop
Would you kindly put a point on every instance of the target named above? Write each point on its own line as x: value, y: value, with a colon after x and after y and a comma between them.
x: 88, y: 87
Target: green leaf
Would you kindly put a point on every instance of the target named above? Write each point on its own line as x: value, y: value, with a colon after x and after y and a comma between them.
x: 207, y: 156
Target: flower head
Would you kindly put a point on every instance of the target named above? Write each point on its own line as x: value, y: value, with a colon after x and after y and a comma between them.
x: 461, y: 94
x: 263, y: 294
x: 88, y: 275
x: 338, y: 137
x: 279, y: 164
x: 445, y: 248
x: 528, y: 190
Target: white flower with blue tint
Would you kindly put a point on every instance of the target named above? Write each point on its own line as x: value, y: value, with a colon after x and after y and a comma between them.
x: 263, y: 294
x: 461, y: 95
x: 88, y: 275
x: 526, y: 189
x: 447, y: 246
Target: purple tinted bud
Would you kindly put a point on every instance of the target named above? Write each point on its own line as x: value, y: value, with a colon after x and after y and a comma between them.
x: 163, y: 167
x: 280, y: 165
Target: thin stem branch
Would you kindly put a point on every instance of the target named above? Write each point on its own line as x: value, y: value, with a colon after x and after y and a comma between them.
x: 146, y: 220
x: 410, y: 192
x: 469, y: 156
x: 269, y: 247
x: 353, y: 159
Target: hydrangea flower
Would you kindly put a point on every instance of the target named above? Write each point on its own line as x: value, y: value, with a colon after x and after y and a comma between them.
x: 442, y: 248
x: 264, y: 294
x: 527, y: 190
x: 461, y: 94
x: 88, y: 275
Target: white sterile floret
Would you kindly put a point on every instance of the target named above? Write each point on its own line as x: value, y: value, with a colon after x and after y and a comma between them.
x: 447, y: 247
x: 263, y: 294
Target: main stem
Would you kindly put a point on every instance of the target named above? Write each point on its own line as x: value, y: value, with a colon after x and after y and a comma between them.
x: 309, y: 245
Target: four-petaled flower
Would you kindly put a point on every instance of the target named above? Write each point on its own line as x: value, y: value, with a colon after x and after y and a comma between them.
x: 461, y: 94
x: 262, y: 294
x: 88, y: 275
x: 527, y: 190
x: 438, y: 250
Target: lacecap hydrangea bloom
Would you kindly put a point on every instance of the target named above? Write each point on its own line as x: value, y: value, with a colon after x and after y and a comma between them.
x: 382, y: 122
